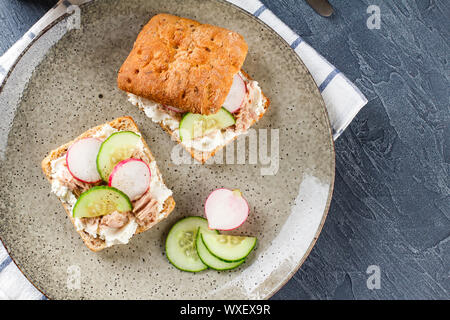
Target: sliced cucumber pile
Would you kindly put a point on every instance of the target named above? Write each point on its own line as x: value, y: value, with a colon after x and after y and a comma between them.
x: 191, y: 246
x: 194, y: 125
x: 99, y: 201
x: 228, y: 248
x: 119, y: 146
x: 180, y: 244
x: 212, y: 261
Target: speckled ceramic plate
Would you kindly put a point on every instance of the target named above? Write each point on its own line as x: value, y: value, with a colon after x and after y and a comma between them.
x: 65, y: 83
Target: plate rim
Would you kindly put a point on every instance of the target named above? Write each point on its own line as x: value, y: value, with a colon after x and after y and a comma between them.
x: 50, y: 24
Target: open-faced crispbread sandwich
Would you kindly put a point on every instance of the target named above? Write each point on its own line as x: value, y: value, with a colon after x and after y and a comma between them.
x: 187, y: 77
x: 109, y: 184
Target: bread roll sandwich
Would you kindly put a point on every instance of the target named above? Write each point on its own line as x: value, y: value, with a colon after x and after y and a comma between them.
x: 187, y: 77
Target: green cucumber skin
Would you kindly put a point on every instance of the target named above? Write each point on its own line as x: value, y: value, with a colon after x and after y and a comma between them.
x: 229, y: 113
x: 99, y: 188
x: 182, y: 120
x: 106, y: 179
x: 180, y: 126
x: 172, y: 228
x: 232, y: 265
x: 226, y: 260
x: 186, y: 270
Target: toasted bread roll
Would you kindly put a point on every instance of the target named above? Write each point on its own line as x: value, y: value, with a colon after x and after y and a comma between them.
x: 182, y: 63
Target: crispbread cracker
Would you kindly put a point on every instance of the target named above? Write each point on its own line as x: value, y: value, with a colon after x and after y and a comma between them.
x: 182, y: 63
x: 123, y: 123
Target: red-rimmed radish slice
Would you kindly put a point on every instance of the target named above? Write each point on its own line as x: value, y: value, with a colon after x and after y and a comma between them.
x: 236, y: 96
x: 173, y: 109
x: 226, y: 209
x: 81, y: 160
x: 132, y: 177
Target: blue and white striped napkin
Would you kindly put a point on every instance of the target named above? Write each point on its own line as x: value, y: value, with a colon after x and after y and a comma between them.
x: 342, y: 98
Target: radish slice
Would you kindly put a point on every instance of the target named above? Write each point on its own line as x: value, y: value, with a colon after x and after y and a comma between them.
x: 132, y: 177
x: 81, y: 160
x: 226, y: 209
x: 236, y: 96
x: 173, y: 109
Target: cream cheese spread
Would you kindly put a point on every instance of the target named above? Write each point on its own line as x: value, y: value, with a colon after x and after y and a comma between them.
x: 114, y: 236
x: 155, y: 111
x: 158, y: 189
x: 60, y: 172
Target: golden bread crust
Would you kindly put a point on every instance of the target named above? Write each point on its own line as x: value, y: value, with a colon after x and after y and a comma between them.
x: 182, y: 63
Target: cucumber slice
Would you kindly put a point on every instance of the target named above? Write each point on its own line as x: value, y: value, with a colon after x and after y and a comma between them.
x: 119, y: 146
x: 210, y: 260
x: 180, y: 244
x: 100, y: 201
x: 194, y: 125
x: 228, y: 248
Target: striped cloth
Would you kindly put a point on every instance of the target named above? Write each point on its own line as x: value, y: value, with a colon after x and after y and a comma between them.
x: 342, y: 98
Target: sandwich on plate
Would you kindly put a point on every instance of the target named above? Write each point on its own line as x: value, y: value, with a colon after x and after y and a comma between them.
x: 187, y: 77
x: 109, y: 184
